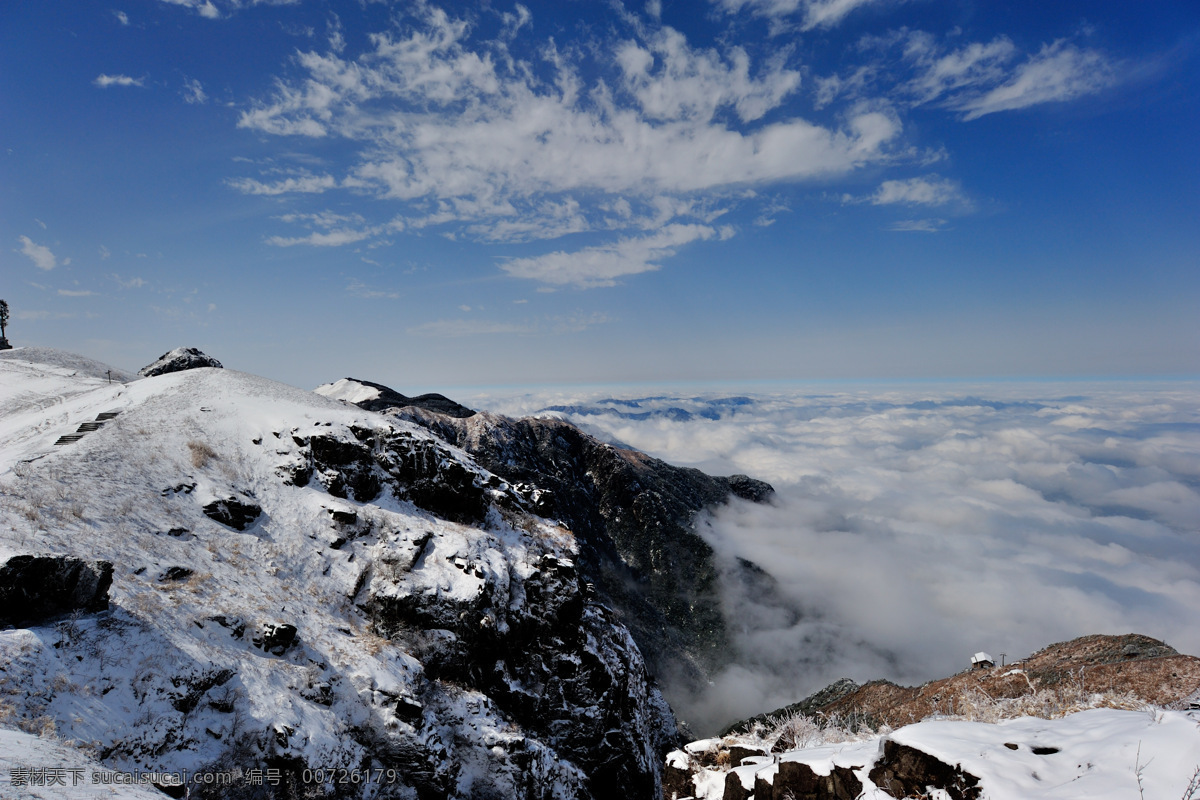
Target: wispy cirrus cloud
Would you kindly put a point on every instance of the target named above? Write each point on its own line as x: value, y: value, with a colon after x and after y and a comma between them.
x: 334, y: 238
x: 210, y: 10
x: 929, y: 225
x: 104, y: 81
x: 602, y: 265
x: 984, y: 78
x: 1060, y: 71
x: 39, y: 254
x: 973, y: 79
x: 299, y: 184
x: 193, y: 92
x: 812, y: 13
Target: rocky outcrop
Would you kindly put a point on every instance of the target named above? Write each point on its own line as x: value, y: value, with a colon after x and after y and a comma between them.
x: 238, y: 513
x: 904, y: 771
x: 36, y: 589
x: 178, y: 360
x: 635, y: 519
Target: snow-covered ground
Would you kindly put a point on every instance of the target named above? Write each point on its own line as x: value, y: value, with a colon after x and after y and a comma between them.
x: 1100, y: 754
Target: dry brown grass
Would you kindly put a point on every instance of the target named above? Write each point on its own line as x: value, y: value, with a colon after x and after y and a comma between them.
x: 202, y: 454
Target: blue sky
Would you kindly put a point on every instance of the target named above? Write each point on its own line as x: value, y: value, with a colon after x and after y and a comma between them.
x: 469, y: 194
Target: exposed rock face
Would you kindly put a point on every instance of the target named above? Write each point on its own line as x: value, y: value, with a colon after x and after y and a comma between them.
x: 178, y: 360
x: 34, y: 589
x: 904, y: 771
x: 796, y: 781
x: 634, y: 517
x: 238, y: 513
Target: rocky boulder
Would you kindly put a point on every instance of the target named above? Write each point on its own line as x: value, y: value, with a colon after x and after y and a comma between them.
x: 178, y: 360
x: 34, y: 589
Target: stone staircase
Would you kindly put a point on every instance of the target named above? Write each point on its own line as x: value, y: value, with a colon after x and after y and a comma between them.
x: 88, y: 427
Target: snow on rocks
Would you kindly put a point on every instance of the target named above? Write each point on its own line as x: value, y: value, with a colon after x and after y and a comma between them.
x: 1090, y: 755
x: 389, y: 605
x: 178, y: 360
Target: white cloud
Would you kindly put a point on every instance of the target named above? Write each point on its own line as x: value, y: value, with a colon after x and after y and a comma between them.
x: 334, y: 238
x: 131, y: 283
x: 926, y: 191
x: 466, y: 135
x: 105, y: 81
x: 930, y: 225
x: 322, y: 219
x: 301, y: 184
x: 974, y: 65
x: 193, y: 92
x: 75, y: 292
x: 979, y: 79
x: 672, y: 81
x: 1059, y: 72
x: 602, y: 265
x: 104, y: 253
x: 122, y: 17
x: 913, y: 527
x: 815, y: 13
x: 39, y: 254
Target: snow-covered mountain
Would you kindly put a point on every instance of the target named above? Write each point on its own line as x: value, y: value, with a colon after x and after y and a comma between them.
x: 300, y: 586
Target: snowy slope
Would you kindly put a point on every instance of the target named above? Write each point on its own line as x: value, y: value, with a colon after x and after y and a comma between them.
x: 398, y: 657
x: 1099, y: 754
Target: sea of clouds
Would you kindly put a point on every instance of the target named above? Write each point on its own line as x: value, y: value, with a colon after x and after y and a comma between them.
x: 915, y: 525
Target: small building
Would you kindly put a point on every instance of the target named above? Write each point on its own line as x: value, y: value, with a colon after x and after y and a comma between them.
x: 982, y: 660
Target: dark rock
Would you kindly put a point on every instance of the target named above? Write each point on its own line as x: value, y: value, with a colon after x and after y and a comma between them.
x: 275, y: 638
x: 175, y: 574
x: 234, y: 512
x: 347, y: 469
x: 904, y: 771
x: 734, y: 790
x: 750, y: 489
x: 35, y: 589
x: 738, y: 752
x: 799, y: 782
x: 178, y: 360
x: 677, y: 783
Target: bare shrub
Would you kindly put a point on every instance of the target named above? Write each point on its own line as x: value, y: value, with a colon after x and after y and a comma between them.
x: 201, y: 453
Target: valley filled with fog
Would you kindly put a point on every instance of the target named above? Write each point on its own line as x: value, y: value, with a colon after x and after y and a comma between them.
x: 915, y: 525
